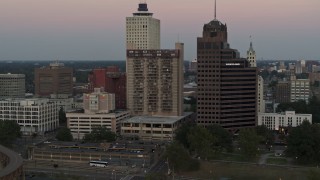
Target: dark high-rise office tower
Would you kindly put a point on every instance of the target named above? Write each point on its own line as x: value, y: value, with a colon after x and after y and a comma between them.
x: 227, y: 85
x: 54, y: 79
x: 282, y: 94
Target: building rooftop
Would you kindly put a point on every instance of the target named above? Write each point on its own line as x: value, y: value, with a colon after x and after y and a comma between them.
x: 116, y: 112
x: 9, y: 75
x: 156, y: 119
x: 285, y: 113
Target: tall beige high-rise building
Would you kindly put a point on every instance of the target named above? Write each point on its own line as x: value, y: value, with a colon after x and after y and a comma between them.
x: 143, y: 31
x: 155, y: 81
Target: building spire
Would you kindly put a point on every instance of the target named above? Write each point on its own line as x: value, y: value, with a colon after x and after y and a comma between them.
x: 251, y: 46
x: 215, y: 9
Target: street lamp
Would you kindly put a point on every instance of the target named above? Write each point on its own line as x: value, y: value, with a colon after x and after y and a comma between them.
x: 115, y: 174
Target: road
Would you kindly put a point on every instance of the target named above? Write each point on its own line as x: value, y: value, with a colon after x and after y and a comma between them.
x: 160, y: 167
x: 77, y: 169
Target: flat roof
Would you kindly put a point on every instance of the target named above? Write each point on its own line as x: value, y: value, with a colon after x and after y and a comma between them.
x: 156, y: 119
x: 117, y: 112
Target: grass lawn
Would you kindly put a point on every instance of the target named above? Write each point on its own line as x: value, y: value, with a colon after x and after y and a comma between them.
x: 215, y: 170
x: 234, y: 157
x: 278, y: 161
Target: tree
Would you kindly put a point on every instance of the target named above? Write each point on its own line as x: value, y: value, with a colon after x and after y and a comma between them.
x: 304, y: 143
x: 302, y: 107
x: 313, y: 108
x: 9, y: 131
x: 62, y: 116
x: 100, y: 134
x: 180, y: 159
x: 223, y: 138
x: 64, y: 134
x: 298, y: 106
x: 248, y: 142
x: 201, y: 141
x: 182, y: 134
x: 265, y: 134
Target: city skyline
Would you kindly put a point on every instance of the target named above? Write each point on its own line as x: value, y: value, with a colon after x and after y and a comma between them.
x: 95, y: 30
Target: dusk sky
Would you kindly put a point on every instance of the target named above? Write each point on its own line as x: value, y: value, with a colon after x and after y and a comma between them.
x: 95, y: 29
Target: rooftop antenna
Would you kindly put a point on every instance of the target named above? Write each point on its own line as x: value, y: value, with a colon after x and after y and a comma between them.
x: 215, y: 9
x: 251, y: 46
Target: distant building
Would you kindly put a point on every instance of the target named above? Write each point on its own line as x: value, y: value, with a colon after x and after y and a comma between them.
x: 282, y: 66
x: 193, y: 66
x: 54, y: 79
x: 251, y: 56
x: 314, y: 77
x: 12, y: 86
x: 154, y: 127
x: 113, y: 81
x: 98, y: 102
x: 33, y: 115
x: 310, y: 66
x: 99, y: 111
x: 155, y: 81
x: 275, y: 121
x: 260, y: 101
x: 300, y: 67
x: 63, y: 101
x: 300, y: 90
x: 142, y: 30
x: 252, y: 59
x: 227, y: 85
x: 282, y: 92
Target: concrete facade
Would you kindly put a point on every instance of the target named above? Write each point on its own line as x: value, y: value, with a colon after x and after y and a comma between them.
x: 155, y: 81
x: 282, y: 92
x: 98, y: 102
x: 113, y: 81
x: 81, y: 124
x: 300, y: 90
x: 261, y: 104
x: 62, y: 101
x: 12, y: 86
x: 251, y: 56
x: 99, y: 111
x: 33, y: 115
x: 54, y: 79
x: 154, y: 127
x: 142, y: 30
x: 275, y: 121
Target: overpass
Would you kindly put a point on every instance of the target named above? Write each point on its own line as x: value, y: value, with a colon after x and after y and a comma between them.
x: 11, y: 165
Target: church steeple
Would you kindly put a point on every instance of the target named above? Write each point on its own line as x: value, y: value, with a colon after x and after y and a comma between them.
x: 251, y: 55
